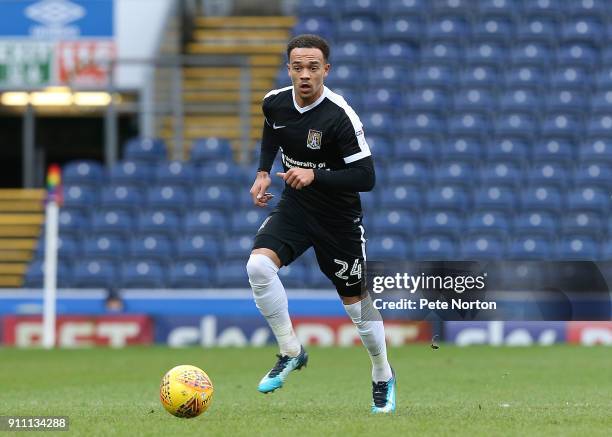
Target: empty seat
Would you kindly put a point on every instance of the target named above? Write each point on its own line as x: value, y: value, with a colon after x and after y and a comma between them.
x: 570, y: 77
x: 562, y: 125
x: 435, y: 247
x: 207, y: 221
x: 537, y: 29
x: 406, y: 28
x: 554, y: 150
x: 542, y: 197
x: 356, y: 28
x: 442, y: 222
x: 159, y: 221
x: 82, y: 172
x: 528, y: 247
x: 582, y: 55
x: 395, y: 221
x: 482, y: 247
x: 485, y: 53
x: 441, y: 52
x: 479, y: 76
x: 508, y: 149
x: 414, y: 148
x: 35, y: 274
x: 526, y: 77
x: 388, y: 247
x: 583, y: 222
x: 113, y: 220
x: 597, y: 150
x: 238, y: 246
x: 131, y: 173
x: 232, y: 273
x: 190, y: 274
x: 532, y: 53
x: 142, y: 274
x: 548, y: 173
x: 93, y: 273
x: 72, y: 221
x: 174, y: 173
x: 536, y: 222
x: 400, y: 197
x: 489, y: 222
x: 448, y: 28
x: 492, y: 28
x: 474, y: 100
x: 578, y: 247
x: 196, y: 246
x: 447, y: 197
x: 435, y: 75
x: 595, y: 174
x: 455, y: 173
x: 145, y: 149
x: 427, y: 99
x: 501, y: 172
x: 210, y: 149
x: 466, y: 149
x: 80, y: 196
x: 589, y: 198
x: 122, y: 196
x: 247, y: 220
x: 520, y: 100
x: 496, y: 197
x: 104, y: 246
x: 295, y: 275
x: 172, y: 197
x: 220, y: 196
x: 151, y: 246
x: 407, y: 173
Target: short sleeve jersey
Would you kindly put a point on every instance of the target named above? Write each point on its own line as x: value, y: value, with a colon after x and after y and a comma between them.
x: 325, y: 135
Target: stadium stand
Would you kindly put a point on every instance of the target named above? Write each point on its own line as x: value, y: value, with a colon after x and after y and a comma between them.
x: 491, y: 131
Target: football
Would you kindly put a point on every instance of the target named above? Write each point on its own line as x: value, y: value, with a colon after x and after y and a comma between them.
x: 186, y: 391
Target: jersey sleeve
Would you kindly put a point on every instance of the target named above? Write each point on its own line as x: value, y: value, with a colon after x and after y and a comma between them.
x: 351, y: 138
x: 269, y: 146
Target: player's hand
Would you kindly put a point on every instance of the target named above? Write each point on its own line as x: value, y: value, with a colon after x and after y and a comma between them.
x: 297, y: 178
x: 259, y: 189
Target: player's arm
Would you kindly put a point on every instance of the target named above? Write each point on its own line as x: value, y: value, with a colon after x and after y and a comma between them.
x: 359, y: 174
x: 269, y: 149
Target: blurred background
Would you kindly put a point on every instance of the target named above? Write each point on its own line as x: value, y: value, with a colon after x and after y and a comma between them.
x: 490, y: 122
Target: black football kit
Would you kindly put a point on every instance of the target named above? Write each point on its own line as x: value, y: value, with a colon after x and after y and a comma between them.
x: 326, y: 136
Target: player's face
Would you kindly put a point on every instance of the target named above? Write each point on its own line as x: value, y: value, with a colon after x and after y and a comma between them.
x: 307, y: 69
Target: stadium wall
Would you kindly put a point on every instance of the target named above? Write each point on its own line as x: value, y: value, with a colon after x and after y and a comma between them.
x: 230, y: 318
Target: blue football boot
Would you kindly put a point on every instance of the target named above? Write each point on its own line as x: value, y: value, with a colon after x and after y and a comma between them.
x: 383, y: 395
x: 276, y: 377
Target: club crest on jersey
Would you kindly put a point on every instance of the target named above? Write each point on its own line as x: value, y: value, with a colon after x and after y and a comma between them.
x: 314, y: 139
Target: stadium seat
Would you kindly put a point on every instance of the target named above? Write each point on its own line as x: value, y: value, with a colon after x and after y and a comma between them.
x: 578, y: 247
x: 159, y: 221
x: 210, y: 149
x: 171, y: 197
x: 316, y: 7
x: 145, y: 149
x: 388, y: 75
x: 127, y: 197
x: 395, y: 52
x: 601, y: 102
x: 407, y: 173
x: 441, y: 222
x: 83, y: 172
x: 407, y: 7
x: 589, y: 198
x: 142, y: 274
x: 342, y: 75
x: 548, y: 173
x: 485, y: 53
x: 378, y: 122
x: 570, y: 77
x: 35, y: 274
x: 445, y: 53
x: 238, y: 246
x: 295, y: 275
x: 401, y: 27
x: 219, y: 196
x: 537, y: 29
x: 580, y: 55
x: 68, y: 248
x: 454, y: 172
x: 381, y: 98
x: 595, y: 174
x: 600, y: 125
x: 596, y: 150
x: 190, y: 274
x: 583, y: 222
x: 515, y: 124
x: 113, y: 220
x: 526, y: 77
x: 131, y: 173
x: 530, y: 247
x: 468, y: 124
x: 583, y: 30
x: 401, y: 197
x: 479, y: 76
x: 413, y: 148
x: 321, y: 26
x: 394, y: 221
x: 542, y: 197
x: 448, y: 28
x: 494, y: 29
x: 603, y: 78
x: 80, y: 196
x: 447, y: 197
x: 72, y: 221
x: 435, y: 75
x: 199, y: 246
x: 543, y: 8
x: 495, y: 197
x: 356, y: 28
x: 519, y: 100
x: 206, y: 221
x: 174, y: 173
x: 248, y: 220
x: 562, y: 125
x: 216, y: 172
x: 435, y: 247
x: 380, y: 147
x: 536, y: 222
x: 93, y: 273
x: 104, y: 246
x: 388, y: 247
x: 474, y: 100
x: 508, y: 149
x: 489, y: 222
x: 482, y: 247
x: 352, y: 51
x: 532, y: 53
x: 465, y: 149
x: 501, y: 173
x: 232, y: 273
x: 498, y: 8
x: 151, y: 246
x: 554, y: 150
x: 423, y: 123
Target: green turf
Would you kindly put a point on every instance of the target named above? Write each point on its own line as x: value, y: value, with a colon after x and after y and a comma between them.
x: 560, y: 390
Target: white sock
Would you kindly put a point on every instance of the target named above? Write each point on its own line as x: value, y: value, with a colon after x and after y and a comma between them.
x: 370, y: 326
x: 271, y: 299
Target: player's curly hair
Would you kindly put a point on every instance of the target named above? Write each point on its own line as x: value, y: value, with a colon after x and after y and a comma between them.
x: 309, y: 41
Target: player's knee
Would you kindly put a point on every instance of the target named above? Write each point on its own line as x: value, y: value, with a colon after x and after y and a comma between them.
x: 261, y: 270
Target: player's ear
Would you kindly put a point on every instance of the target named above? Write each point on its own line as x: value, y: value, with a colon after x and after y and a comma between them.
x: 288, y: 69
x: 326, y: 68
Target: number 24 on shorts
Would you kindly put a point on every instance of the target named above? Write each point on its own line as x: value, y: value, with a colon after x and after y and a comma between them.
x: 355, y: 270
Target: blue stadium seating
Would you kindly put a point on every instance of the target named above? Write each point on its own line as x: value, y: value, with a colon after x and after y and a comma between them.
x: 199, y: 246
x: 80, y: 196
x: 122, y: 196
x: 112, y: 220
x: 151, y: 246
x: 94, y: 273
x: 142, y: 274
x: 104, y: 246
x: 145, y: 149
x: 206, y: 221
x: 175, y: 173
x: 483, y: 247
x: 83, y: 172
x: 208, y: 149
x: 35, y: 274
x: 131, y: 173
x: 190, y: 274
x: 388, y: 247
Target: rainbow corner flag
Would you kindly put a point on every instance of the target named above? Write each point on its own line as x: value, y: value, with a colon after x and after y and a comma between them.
x: 54, y: 184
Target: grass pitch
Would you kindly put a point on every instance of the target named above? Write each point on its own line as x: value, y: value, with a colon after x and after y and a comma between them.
x: 559, y: 390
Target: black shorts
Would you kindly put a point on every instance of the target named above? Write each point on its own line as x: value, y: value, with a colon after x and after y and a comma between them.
x: 340, y: 250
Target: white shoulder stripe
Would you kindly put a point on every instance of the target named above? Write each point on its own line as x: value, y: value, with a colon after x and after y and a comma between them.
x: 275, y: 92
x: 357, y: 126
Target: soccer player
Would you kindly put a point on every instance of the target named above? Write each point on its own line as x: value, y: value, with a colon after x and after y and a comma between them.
x: 326, y: 162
